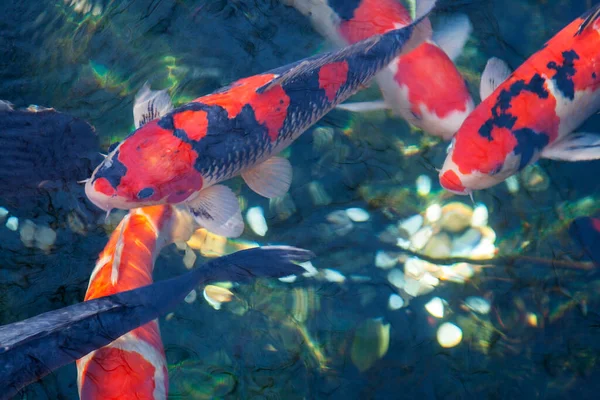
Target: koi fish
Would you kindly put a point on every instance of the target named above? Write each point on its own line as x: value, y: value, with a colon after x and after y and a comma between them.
x: 531, y: 112
x: 135, y: 364
x: 33, y: 348
x: 238, y: 130
x: 423, y: 87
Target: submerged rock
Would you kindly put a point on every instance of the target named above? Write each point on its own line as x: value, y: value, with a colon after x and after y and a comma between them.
x: 371, y: 342
x: 358, y: 214
x: 478, y: 304
x: 449, y: 335
x: 256, y: 220
x: 12, y: 223
x: 456, y: 217
x: 385, y: 260
x: 436, y: 307
x: 423, y: 185
x: 395, y: 302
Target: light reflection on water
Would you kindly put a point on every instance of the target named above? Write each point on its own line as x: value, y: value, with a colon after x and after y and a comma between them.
x: 331, y: 334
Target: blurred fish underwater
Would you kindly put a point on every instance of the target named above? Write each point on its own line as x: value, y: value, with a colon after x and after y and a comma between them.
x: 413, y: 292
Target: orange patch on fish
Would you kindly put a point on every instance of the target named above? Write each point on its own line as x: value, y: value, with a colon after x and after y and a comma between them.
x: 270, y: 106
x: 536, y: 113
x: 145, y: 150
x: 477, y: 153
x: 103, y: 186
x: 238, y: 95
x: 113, y: 373
x: 441, y: 93
x: 332, y: 77
x: 194, y: 123
x: 373, y: 17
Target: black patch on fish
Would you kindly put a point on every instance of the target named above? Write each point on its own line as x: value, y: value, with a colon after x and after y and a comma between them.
x: 564, y: 73
x: 145, y: 193
x: 345, y: 8
x: 229, y: 145
x: 528, y: 143
x: 501, y: 117
x: 593, y: 75
x: 112, y: 171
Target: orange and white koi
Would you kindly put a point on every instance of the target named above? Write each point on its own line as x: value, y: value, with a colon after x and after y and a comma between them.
x: 532, y: 112
x: 423, y: 87
x: 134, y: 365
x: 182, y: 156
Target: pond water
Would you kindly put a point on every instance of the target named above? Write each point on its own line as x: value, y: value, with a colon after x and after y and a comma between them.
x: 398, y: 304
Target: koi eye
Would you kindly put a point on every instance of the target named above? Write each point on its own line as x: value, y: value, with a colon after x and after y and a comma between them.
x: 145, y: 193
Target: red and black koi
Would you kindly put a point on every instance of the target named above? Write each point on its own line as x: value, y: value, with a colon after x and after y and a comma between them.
x: 180, y: 157
x: 532, y: 112
x: 423, y: 87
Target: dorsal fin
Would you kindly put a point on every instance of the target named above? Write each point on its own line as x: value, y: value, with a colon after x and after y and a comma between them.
x: 592, y: 16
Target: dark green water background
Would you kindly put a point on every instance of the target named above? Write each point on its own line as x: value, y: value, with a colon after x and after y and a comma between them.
x: 294, y: 341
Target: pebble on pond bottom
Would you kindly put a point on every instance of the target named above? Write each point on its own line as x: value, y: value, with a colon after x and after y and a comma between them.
x: 12, y: 224
x: 449, y: 335
x: 358, y: 214
x: 256, y: 220
x: 435, y: 307
x: 191, y: 297
x: 395, y: 302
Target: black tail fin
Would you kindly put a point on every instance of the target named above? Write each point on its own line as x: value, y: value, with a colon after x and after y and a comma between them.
x: 260, y: 262
x: 33, y: 348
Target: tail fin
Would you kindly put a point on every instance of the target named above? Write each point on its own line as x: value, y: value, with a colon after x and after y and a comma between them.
x: 422, y: 27
x: 33, y: 348
x: 260, y: 262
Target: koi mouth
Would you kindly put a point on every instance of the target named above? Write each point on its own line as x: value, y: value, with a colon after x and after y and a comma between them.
x: 100, y: 200
x: 452, y: 183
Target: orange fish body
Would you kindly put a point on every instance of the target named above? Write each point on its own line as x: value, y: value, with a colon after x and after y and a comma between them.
x: 134, y: 365
x: 532, y: 113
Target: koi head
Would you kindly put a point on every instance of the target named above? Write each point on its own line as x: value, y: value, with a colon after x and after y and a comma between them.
x: 151, y: 166
x: 475, y: 161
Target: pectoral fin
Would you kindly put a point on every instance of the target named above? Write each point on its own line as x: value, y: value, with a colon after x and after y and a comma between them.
x: 217, y: 209
x: 150, y: 104
x: 496, y: 71
x: 271, y: 178
x: 574, y: 147
x: 452, y: 35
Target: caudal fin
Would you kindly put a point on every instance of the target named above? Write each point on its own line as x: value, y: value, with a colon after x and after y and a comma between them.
x: 33, y: 348
x: 422, y: 30
x: 261, y: 262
